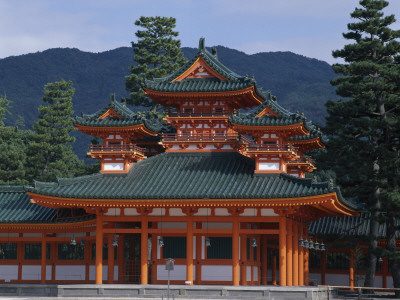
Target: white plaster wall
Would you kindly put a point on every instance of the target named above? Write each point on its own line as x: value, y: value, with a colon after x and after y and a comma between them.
x: 210, y: 147
x: 222, y: 212
x: 32, y: 235
x: 249, y: 212
x: 113, y: 212
x: 268, y: 166
x: 157, y: 212
x: 179, y: 272
x: 268, y: 212
x: 217, y: 225
x: 113, y: 166
x: 115, y: 272
x: 175, y: 147
x: 48, y: 272
x: 203, y: 212
x: 8, y: 272
x: 172, y: 225
x: 216, y: 273
x: 9, y: 234
x: 70, y: 272
x: 131, y: 212
x: 255, y: 273
x: 92, y: 272
x: 248, y: 273
x: 176, y: 212
x: 226, y: 147
x: 337, y: 279
x: 31, y: 272
x: 316, y: 278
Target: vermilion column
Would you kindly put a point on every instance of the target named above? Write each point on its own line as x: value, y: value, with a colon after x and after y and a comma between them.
x: 282, y: 251
x: 295, y: 245
x: 43, y: 274
x: 289, y: 253
x: 243, y: 260
x: 199, y: 249
x: 110, y: 273
x: 235, y: 251
x: 274, y: 270
x: 264, y: 258
x: 189, y: 251
x: 143, y: 250
x: 351, y: 271
x: 306, y: 268
x: 301, y: 257
x: 99, y: 249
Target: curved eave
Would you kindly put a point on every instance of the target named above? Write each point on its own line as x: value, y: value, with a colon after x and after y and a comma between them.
x: 294, y: 129
x: 327, y: 203
x: 140, y: 129
x: 42, y: 226
x: 309, y: 144
x: 253, y: 98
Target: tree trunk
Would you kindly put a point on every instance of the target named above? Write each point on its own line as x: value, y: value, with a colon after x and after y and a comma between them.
x: 391, y: 248
x: 372, y: 246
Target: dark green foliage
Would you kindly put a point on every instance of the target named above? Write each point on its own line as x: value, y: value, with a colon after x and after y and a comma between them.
x: 364, y: 130
x: 157, y: 54
x: 50, y: 152
x: 4, y: 109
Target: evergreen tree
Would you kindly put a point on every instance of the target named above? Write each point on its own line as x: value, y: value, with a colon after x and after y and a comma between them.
x: 4, y: 106
x: 50, y: 152
x: 364, y: 127
x: 157, y: 54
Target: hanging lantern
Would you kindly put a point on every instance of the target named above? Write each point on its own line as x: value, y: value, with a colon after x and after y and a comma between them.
x: 322, y: 247
x: 254, y: 242
x: 208, y: 242
x: 83, y: 242
x: 311, y: 245
x: 306, y: 244
x: 301, y: 242
x: 161, y: 241
x: 380, y: 259
x: 316, y: 246
x: 115, y: 241
x: 73, y: 241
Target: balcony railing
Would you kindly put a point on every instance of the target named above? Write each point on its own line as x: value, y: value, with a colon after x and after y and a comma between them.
x: 199, y: 114
x: 271, y: 148
x: 168, y: 137
x: 303, y: 160
x: 116, y: 148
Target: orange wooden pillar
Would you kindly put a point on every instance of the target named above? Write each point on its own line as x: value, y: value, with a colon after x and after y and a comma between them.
x: 301, y: 257
x: 43, y: 271
x: 306, y: 268
x: 243, y: 259
x: 110, y: 258
x: 295, y: 245
x: 264, y: 260
x: 351, y: 270
x: 199, y: 249
x: 189, y: 251
x: 289, y: 253
x: 99, y: 249
x: 143, y: 250
x: 274, y: 270
x: 282, y: 251
x: 235, y: 251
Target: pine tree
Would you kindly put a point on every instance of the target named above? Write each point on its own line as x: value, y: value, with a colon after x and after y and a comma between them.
x: 157, y: 53
x: 4, y: 106
x: 50, y: 152
x: 364, y: 127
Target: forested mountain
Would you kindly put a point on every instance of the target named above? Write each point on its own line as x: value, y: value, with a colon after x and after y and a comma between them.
x: 300, y: 83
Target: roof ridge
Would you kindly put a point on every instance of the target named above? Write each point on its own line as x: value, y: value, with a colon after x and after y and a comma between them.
x: 13, y: 188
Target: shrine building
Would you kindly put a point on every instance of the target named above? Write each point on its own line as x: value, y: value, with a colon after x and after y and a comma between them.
x: 223, y: 193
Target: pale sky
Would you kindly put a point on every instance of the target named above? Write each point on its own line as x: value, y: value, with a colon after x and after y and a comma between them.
x: 312, y: 28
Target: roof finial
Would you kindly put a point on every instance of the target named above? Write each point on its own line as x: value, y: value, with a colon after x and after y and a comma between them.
x: 214, y: 52
x: 202, y: 43
x: 112, y: 97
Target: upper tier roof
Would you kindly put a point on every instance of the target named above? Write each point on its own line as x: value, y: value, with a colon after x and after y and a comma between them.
x: 218, y: 78
x: 182, y: 176
x: 122, y: 117
x: 16, y: 208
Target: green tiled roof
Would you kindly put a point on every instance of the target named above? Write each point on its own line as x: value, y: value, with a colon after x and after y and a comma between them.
x: 130, y: 118
x: 170, y: 175
x: 265, y: 120
x: 15, y: 207
x: 270, y: 101
x: 346, y: 226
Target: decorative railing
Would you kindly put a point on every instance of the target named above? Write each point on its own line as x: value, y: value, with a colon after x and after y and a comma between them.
x: 116, y: 148
x: 199, y: 114
x: 173, y: 137
x: 272, y: 148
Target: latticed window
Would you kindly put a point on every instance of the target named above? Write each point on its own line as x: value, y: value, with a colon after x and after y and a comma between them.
x: 34, y: 251
x: 174, y: 247
x: 70, y: 252
x: 105, y: 252
x: 8, y: 251
x: 221, y: 248
x: 337, y: 261
x: 314, y: 259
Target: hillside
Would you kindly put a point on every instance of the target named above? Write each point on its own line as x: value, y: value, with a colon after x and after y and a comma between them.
x: 300, y: 83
